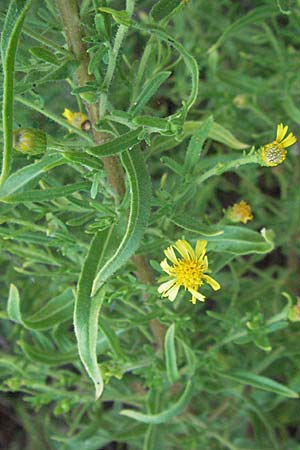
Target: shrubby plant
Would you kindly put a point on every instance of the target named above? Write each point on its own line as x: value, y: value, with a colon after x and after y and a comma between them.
x: 149, y: 225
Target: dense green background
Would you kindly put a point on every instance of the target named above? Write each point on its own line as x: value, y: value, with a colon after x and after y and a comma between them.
x: 228, y: 372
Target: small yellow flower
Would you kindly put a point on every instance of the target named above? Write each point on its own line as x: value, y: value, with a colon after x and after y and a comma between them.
x: 240, y: 212
x: 274, y: 153
x: 294, y: 311
x: 77, y: 119
x: 29, y: 141
x: 188, y: 271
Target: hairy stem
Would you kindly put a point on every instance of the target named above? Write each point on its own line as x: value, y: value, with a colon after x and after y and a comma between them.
x: 71, y: 21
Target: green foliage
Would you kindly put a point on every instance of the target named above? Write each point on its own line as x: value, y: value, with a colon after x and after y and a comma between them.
x: 181, y: 96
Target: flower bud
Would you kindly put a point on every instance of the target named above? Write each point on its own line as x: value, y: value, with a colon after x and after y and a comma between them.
x: 29, y: 141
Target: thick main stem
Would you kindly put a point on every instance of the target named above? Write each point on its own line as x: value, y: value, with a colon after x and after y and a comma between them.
x: 71, y: 20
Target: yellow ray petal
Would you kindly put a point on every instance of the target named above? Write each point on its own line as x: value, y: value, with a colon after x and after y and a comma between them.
x: 281, y: 132
x: 197, y: 294
x: 170, y: 254
x: 213, y: 283
x: 167, y: 268
x: 200, y: 248
x: 185, y: 249
x: 164, y: 287
x: 289, y: 140
x: 172, y: 293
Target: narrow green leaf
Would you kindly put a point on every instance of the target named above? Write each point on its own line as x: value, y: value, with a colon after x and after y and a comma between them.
x: 57, y: 310
x: 196, y: 144
x: 44, y: 54
x: 9, y: 41
x: 163, y: 8
x: 140, y: 203
x: 87, y: 311
x: 168, y: 413
x: 253, y: 17
x: 152, y: 123
x: 83, y: 159
x: 54, y: 358
x: 20, y: 178
x: 117, y: 145
x: 240, y: 241
x: 41, y: 195
x: 217, y: 133
x: 121, y: 17
x: 192, y: 224
x: 260, y: 382
x: 13, y: 305
x: 170, y: 353
x: 148, y: 91
x: 189, y: 60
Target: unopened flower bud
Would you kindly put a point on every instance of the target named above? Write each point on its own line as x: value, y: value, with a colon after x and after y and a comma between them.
x: 29, y: 141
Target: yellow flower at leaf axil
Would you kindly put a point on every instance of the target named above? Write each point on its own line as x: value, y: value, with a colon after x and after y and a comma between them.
x: 274, y: 153
x: 189, y: 270
x: 77, y: 119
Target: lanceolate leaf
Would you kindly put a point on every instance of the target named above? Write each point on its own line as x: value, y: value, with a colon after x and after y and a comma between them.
x: 20, y: 178
x: 54, y: 358
x: 170, y: 352
x: 41, y: 195
x: 117, y: 145
x: 140, y: 192
x: 194, y: 225
x: 148, y: 91
x: 87, y: 311
x: 196, y: 144
x: 9, y: 42
x: 57, y: 310
x: 260, y: 382
x: 168, y: 413
x: 240, y: 241
x: 189, y: 60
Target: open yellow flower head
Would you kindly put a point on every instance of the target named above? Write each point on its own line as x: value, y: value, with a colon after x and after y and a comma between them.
x: 77, y: 119
x: 274, y: 153
x: 188, y: 271
x: 29, y: 141
x: 240, y: 212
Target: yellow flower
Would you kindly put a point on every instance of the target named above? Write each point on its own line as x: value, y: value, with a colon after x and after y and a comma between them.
x: 77, y: 119
x: 29, y: 141
x: 188, y: 271
x: 274, y: 153
x: 294, y: 312
x: 240, y: 212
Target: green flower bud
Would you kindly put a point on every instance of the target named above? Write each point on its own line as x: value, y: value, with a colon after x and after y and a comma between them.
x: 29, y: 141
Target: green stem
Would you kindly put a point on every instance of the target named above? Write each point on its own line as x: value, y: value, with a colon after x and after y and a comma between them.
x: 121, y: 33
x: 55, y: 118
x: 225, y: 167
x: 7, y: 116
